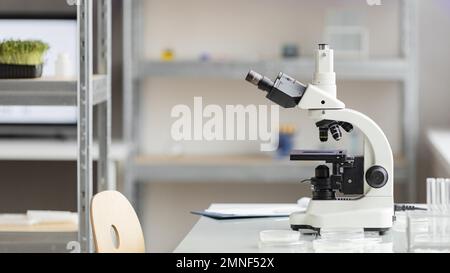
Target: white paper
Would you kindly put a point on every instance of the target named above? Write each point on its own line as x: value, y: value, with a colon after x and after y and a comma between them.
x: 39, y: 217
x: 52, y: 217
x: 255, y: 209
x: 14, y: 220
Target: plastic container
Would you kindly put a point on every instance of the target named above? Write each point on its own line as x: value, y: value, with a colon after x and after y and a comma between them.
x: 400, y: 237
x: 428, y: 231
x: 16, y: 71
x: 63, y: 66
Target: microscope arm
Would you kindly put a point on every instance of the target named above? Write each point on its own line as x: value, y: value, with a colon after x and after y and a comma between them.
x: 377, y: 151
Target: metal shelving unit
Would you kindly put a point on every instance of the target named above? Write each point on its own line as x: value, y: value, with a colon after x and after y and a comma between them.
x: 141, y: 168
x: 86, y: 101
x: 87, y: 91
x: 62, y: 150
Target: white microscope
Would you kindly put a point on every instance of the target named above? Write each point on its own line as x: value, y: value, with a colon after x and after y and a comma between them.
x: 358, y: 192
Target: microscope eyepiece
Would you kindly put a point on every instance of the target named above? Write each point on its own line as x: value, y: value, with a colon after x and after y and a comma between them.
x: 254, y: 77
x: 263, y: 83
x: 324, y: 46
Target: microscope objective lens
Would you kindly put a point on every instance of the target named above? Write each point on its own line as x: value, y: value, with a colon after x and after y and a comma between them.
x: 336, y: 132
x: 323, y: 134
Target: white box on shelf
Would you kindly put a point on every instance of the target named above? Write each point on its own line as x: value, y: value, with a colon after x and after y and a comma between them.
x: 350, y: 42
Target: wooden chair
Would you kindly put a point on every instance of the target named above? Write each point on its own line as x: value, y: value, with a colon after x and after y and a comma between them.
x: 115, y: 225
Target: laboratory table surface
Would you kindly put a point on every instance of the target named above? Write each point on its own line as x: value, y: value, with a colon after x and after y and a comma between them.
x: 242, y: 236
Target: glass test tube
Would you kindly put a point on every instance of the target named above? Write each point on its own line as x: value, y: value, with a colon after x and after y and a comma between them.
x: 440, y: 186
x: 431, y: 193
x: 446, y: 195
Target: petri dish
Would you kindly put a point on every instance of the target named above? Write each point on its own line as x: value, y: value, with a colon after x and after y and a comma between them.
x: 342, y: 233
x: 282, y: 241
x: 279, y: 236
x: 348, y: 240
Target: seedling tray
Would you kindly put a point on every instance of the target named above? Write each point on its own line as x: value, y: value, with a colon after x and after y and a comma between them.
x: 16, y: 71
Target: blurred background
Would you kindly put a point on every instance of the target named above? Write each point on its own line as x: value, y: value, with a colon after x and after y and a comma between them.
x: 392, y: 64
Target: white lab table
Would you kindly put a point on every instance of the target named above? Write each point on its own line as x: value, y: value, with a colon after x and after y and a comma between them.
x: 242, y: 236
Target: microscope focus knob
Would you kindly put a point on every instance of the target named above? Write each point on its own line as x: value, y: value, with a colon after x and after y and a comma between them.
x: 377, y: 177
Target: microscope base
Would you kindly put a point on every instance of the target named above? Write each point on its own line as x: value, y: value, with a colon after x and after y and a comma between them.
x: 370, y: 213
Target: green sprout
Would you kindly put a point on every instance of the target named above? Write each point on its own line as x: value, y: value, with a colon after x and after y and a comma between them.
x: 30, y: 52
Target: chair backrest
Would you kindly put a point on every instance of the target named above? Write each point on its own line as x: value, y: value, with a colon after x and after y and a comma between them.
x: 115, y: 225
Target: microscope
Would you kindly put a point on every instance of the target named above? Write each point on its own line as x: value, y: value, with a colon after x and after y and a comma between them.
x: 357, y: 192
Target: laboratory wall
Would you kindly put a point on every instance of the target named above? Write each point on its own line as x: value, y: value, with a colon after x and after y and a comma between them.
x: 240, y: 30
x: 434, y: 90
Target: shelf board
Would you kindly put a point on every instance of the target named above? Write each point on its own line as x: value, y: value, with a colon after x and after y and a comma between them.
x: 37, y: 241
x: 57, y: 228
x: 37, y: 237
x: 376, y: 69
x: 48, y: 91
x: 246, y: 168
x: 38, y: 150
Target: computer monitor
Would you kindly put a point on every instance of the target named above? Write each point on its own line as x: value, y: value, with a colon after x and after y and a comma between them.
x: 61, y: 35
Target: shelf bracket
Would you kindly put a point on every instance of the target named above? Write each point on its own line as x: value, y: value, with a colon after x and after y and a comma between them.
x: 84, y: 125
x: 104, y: 49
